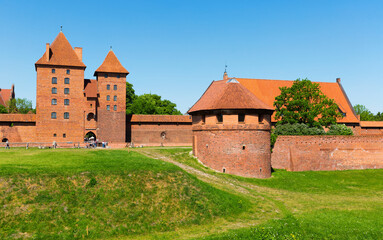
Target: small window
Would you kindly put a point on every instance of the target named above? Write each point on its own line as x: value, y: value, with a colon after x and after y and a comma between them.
x: 115, y: 98
x: 66, y: 115
x: 53, y: 115
x: 203, y: 119
x: 66, y: 80
x: 67, y: 71
x: 54, y: 80
x: 64, y: 135
x: 219, y: 118
x: 54, y: 135
x: 90, y: 116
x: 107, y: 97
x: 66, y: 90
x: 260, y: 118
x: 118, y: 75
x: 108, y: 87
x: 241, y: 118
x: 243, y: 147
x: 54, y: 101
x: 106, y: 75
x: 66, y: 101
x: 53, y: 70
x: 54, y: 90
x: 115, y: 107
x: 223, y: 170
x: 108, y: 107
x: 115, y: 87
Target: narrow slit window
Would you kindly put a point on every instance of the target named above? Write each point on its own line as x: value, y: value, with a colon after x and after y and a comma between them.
x: 241, y: 118
x: 219, y: 118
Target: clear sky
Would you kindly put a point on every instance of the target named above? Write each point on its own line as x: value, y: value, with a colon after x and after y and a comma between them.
x: 176, y: 48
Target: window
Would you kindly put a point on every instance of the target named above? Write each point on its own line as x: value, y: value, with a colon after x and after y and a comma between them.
x: 115, y: 87
x: 64, y: 135
x: 241, y: 118
x: 106, y: 75
x: 54, y: 80
x: 219, y: 118
x: 66, y: 115
x: 108, y: 87
x: 53, y: 70
x: 54, y: 90
x: 108, y: 107
x: 118, y: 75
x: 107, y: 98
x: 203, y: 119
x: 115, y: 98
x: 67, y: 71
x: 54, y: 101
x: 66, y: 80
x: 90, y: 116
x: 53, y: 115
x: 115, y: 107
x: 66, y: 101
x: 260, y: 118
x: 54, y: 134
x: 66, y: 90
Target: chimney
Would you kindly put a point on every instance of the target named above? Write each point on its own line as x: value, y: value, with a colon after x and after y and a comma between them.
x: 47, y: 52
x: 78, y: 52
x: 338, y: 80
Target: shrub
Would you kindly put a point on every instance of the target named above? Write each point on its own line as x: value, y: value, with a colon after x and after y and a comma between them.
x: 297, y: 129
x: 339, y: 129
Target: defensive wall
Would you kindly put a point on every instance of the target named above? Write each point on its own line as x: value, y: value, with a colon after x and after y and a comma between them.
x: 316, y: 153
x: 18, y: 127
x: 159, y: 130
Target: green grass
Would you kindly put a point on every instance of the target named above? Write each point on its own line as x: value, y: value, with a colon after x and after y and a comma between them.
x: 75, y: 194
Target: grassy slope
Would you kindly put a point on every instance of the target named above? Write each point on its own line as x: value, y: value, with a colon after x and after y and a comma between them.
x: 69, y: 194
x: 311, y: 205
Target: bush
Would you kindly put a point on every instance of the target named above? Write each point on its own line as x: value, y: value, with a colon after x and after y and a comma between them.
x: 298, y: 129
x: 339, y: 129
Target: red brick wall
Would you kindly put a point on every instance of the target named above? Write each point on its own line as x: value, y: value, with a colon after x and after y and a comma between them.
x: 242, y: 150
x: 314, y: 153
x: 111, y: 124
x: 73, y: 127
x: 371, y: 131
x: 19, y: 132
x: 149, y: 133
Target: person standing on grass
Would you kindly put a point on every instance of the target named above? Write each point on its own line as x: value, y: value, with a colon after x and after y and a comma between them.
x: 7, y: 145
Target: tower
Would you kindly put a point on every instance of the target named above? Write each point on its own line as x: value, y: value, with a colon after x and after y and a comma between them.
x: 231, y: 130
x: 59, y: 93
x: 111, y: 78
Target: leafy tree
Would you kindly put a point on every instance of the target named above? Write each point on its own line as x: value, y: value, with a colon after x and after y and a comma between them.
x: 3, y: 109
x: 20, y: 105
x: 152, y: 104
x: 130, y: 96
x: 366, y: 115
x: 303, y: 102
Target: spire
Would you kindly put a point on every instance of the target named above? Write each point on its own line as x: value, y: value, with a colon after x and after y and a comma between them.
x: 225, y: 77
x: 111, y: 64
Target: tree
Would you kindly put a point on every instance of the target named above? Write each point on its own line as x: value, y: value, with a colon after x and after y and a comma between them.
x: 20, y: 105
x: 152, y: 104
x: 303, y: 102
x: 3, y: 109
x: 366, y: 115
x: 130, y: 96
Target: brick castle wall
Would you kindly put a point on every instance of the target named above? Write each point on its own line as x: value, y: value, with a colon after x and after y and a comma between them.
x: 18, y: 131
x: 315, y: 153
x: 239, y: 149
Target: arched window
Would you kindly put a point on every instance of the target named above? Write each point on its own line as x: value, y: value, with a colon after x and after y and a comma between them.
x: 66, y: 115
x: 107, y: 97
x: 53, y: 115
x: 54, y: 101
x: 54, y: 80
x: 115, y: 107
x: 115, y: 98
x: 90, y: 116
x: 66, y: 90
x: 66, y: 101
x: 54, y: 90
x: 108, y: 87
x: 115, y: 87
x: 4, y: 140
x: 66, y: 80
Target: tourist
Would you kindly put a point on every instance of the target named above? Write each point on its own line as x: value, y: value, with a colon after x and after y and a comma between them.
x: 7, y: 145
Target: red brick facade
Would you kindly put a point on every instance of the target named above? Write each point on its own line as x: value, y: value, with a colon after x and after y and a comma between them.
x: 315, y: 153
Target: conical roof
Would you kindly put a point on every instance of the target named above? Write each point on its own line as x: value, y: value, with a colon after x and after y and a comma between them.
x: 61, y: 54
x: 228, y: 95
x: 111, y: 64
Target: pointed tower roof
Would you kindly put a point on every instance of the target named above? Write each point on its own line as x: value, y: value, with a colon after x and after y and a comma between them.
x: 60, y: 53
x: 111, y: 64
x: 228, y: 95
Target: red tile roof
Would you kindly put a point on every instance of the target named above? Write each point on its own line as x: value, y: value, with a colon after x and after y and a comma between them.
x: 111, y: 64
x: 61, y: 54
x: 90, y: 88
x: 161, y: 118
x: 228, y: 95
x: 17, y: 117
x: 6, y: 95
x: 367, y: 124
x: 267, y: 90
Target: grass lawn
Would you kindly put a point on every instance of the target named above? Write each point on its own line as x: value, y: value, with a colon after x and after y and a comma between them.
x: 121, y: 194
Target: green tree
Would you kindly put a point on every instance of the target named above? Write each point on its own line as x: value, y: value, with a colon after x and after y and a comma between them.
x: 365, y: 114
x: 20, y: 105
x: 152, y: 104
x: 304, y: 102
x: 3, y: 109
x: 130, y: 96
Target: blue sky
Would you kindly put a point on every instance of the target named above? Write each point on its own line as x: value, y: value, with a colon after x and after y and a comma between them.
x: 176, y: 48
